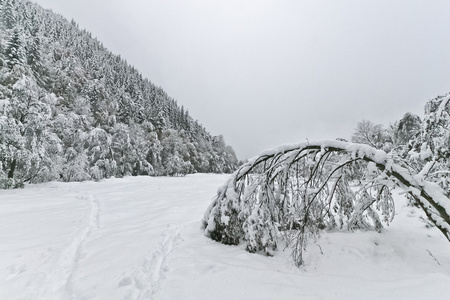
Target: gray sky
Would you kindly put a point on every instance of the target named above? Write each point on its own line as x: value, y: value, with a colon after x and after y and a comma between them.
x: 264, y: 73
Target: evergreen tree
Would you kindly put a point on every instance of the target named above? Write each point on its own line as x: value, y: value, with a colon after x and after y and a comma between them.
x: 34, y: 53
x: 14, y: 50
x: 407, y: 128
x: 9, y: 13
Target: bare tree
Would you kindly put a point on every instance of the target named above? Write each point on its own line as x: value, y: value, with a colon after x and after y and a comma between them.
x: 367, y: 132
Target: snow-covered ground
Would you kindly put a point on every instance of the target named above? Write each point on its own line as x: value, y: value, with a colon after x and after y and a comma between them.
x: 141, y: 238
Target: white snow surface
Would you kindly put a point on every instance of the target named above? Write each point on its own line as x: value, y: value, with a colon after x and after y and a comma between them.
x: 141, y: 238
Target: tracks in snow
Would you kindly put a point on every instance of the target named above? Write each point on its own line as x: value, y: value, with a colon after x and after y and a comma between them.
x: 73, y: 253
x: 57, y: 282
x: 146, y: 280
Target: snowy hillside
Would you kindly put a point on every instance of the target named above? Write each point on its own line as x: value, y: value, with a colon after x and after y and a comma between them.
x: 70, y: 110
x: 141, y: 238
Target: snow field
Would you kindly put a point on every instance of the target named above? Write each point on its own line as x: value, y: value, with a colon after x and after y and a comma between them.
x: 141, y: 238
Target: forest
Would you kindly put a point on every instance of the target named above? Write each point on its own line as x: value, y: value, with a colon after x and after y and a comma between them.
x: 70, y: 110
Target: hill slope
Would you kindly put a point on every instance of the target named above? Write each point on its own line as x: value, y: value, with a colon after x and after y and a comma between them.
x: 71, y: 110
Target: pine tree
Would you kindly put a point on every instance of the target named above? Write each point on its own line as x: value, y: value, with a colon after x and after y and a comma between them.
x: 407, y: 128
x: 14, y: 50
x: 9, y: 14
x: 34, y: 53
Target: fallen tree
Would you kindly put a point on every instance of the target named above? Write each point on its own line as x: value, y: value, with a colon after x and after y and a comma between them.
x: 294, y: 191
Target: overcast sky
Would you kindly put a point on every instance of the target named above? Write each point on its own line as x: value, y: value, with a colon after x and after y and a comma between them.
x: 264, y: 73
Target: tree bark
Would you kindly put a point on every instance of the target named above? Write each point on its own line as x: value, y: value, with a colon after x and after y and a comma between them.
x: 13, y: 168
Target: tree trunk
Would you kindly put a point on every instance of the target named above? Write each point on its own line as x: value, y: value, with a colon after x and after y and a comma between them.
x: 13, y: 168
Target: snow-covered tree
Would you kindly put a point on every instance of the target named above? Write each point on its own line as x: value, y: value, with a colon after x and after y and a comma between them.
x: 99, y: 154
x: 407, y: 128
x: 9, y: 13
x: 14, y: 51
x: 429, y: 150
x: 371, y: 134
x: 27, y: 118
x: 11, y: 147
x: 33, y: 53
x: 293, y: 192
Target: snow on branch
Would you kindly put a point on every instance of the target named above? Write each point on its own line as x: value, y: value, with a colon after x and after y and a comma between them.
x: 291, y: 192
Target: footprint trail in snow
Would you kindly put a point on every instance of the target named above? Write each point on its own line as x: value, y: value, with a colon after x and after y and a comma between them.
x: 147, y: 279
x: 56, y: 283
